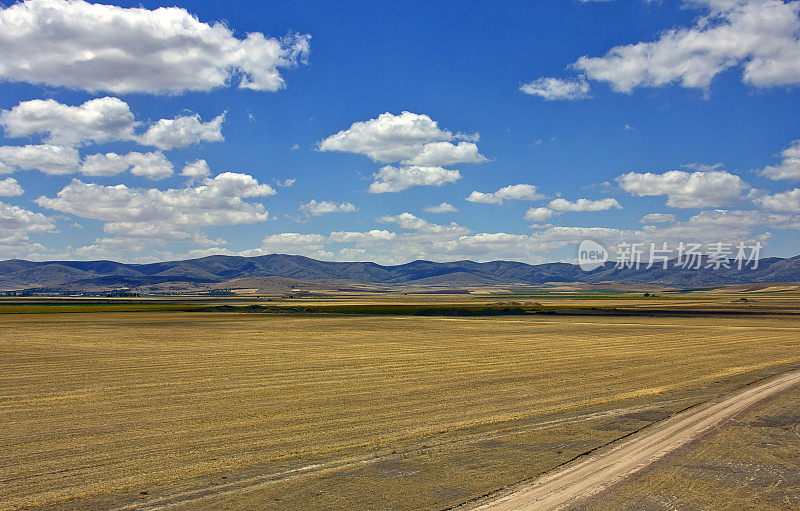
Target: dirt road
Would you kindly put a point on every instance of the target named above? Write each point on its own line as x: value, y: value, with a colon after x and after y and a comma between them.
x: 590, y: 474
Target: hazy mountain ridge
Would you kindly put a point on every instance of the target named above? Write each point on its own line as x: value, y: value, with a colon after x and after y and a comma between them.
x: 19, y: 274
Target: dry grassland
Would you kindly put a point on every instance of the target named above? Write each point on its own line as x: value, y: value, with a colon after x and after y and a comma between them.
x: 749, y: 463
x: 299, y: 412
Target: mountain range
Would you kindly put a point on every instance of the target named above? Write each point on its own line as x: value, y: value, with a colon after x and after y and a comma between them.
x: 16, y: 274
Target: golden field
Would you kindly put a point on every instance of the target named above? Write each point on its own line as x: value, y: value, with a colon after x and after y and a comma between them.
x: 138, y: 410
x: 749, y: 463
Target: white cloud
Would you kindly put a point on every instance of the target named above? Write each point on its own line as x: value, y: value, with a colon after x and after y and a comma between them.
x: 183, y: 131
x: 108, y: 164
x: 657, y: 218
x: 397, y: 179
x: 511, y: 192
x: 412, y: 222
x: 789, y: 167
x: 415, y: 142
x: 421, y: 239
x: 314, y: 245
x: 197, y: 169
x: 97, y: 120
x: 557, y: 88
x: 557, y: 206
x: 584, y: 205
x: 155, y: 230
x: 408, y: 138
x: 234, y: 185
x: 163, y: 213
x: 737, y: 218
x: 362, y: 237
x: 788, y: 202
x: 316, y: 208
x: 16, y: 218
x: 104, y: 120
x: 444, y: 207
x: 50, y: 159
x: 310, y: 245
x: 73, y: 43
x: 445, y: 153
x: 152, y: 165
x: 541, y: 214
x: 286, y: 183
x: 10, y: 188
x: 685, y: 189
x: 424, y: 240
x: 761, y: 36
x: 17, y: 223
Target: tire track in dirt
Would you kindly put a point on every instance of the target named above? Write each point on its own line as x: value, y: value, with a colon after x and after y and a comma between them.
x: 590, y: 473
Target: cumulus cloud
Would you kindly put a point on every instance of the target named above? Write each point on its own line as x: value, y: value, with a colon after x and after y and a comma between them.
x: 155, y: 230
x: 557, y: 88
x: 397, y: 179
x: 387, y: 138
x: 760, y: 36
x: 584, y: 205
x: 317, y: 208
x: 421, y: 239
x: 316, y: 245
x: 108, y: 164
x: 310, y: 245
x: 76, y: 44
x: 10, y: 188
x: 788, y: 202
x: 424, y: 240
x: 444, y: 207
x: 408, y: 138
x: 738, y: 218
x: 511, y: 192
x: 411, y: 222
x: 540, y: 214
x: 197, y: 169
x: 414, y: 141
x: 96, y: 120
x: 50, y: 159
x: 362, y: 237
x: 789, y: 167
x: 183, y: 131
x: 17, y: 223
x: 164, y: 213
x: 446, y: 153
x: 657, y: 218
x: 152, y: 165
x: 104, y: 120
x: 686, y: 189
x: 557, y: 206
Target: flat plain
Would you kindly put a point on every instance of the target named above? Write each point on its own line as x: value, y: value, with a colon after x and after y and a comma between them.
x: 748, y: 463
x: 143, y: 409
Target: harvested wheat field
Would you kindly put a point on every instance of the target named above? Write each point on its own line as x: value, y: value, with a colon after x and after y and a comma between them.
x: 145, y: 410
x: 748, y: 463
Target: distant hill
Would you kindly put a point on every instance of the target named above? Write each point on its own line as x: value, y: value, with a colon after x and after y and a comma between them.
x: 98, y: 275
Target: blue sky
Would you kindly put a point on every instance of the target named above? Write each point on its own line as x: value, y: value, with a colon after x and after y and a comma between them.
x: 539, y: 124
